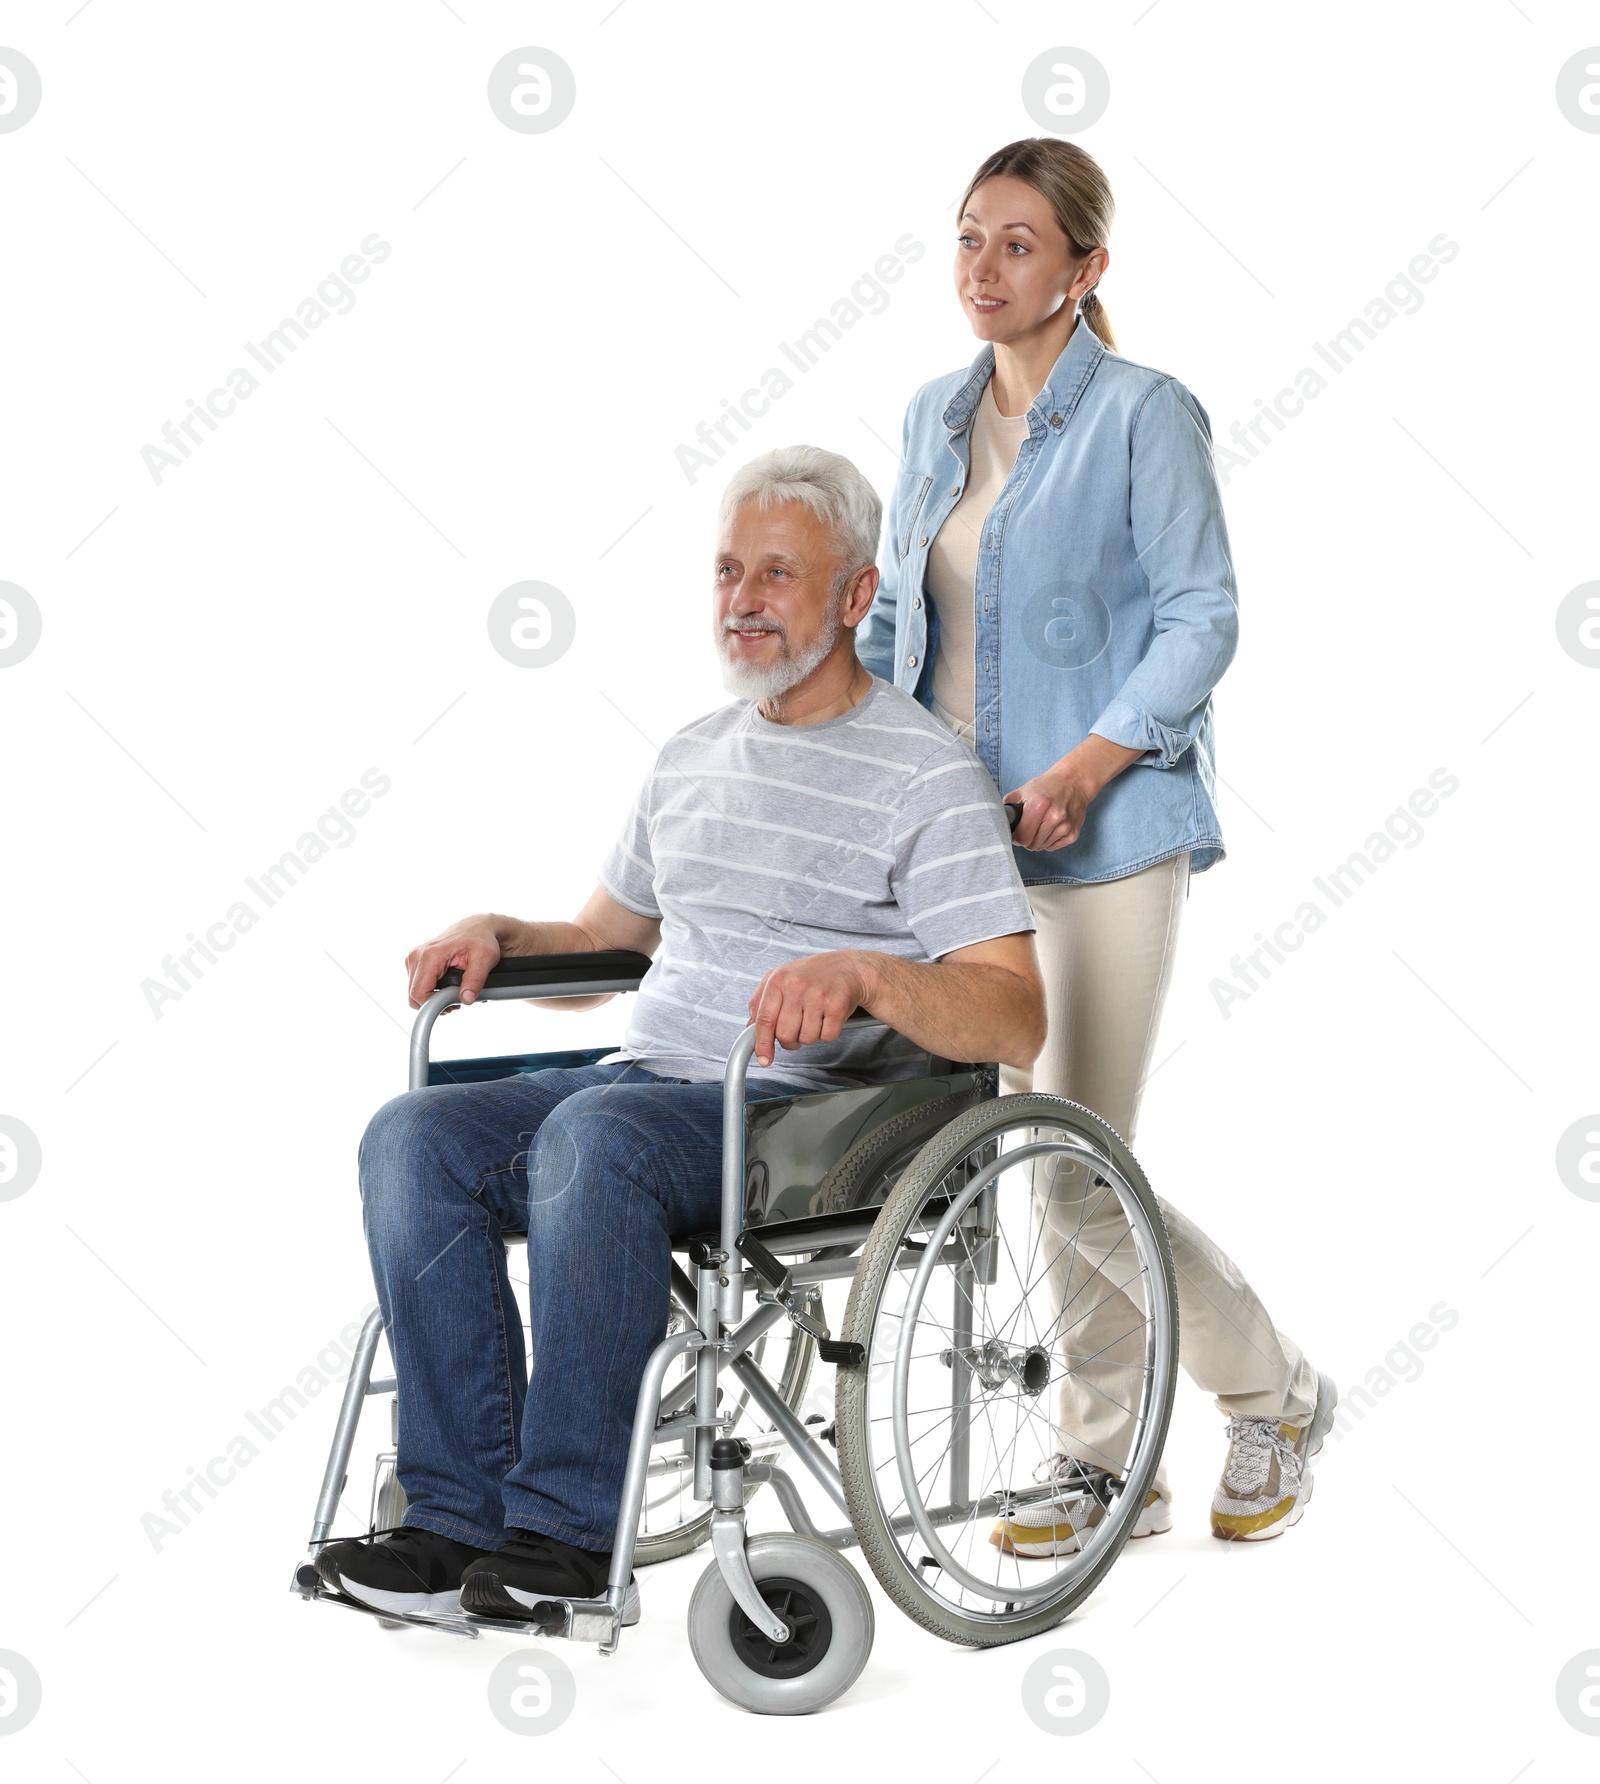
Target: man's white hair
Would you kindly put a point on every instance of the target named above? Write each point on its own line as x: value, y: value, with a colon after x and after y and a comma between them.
x: 829, y: 485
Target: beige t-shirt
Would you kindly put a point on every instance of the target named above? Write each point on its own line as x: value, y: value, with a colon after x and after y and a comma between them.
x: 995, y: 442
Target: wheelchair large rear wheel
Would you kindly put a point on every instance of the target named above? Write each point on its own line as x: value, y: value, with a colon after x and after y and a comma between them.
x: 1016, y: 1301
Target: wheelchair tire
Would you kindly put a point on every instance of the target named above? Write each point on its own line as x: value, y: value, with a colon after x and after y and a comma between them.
x: 823, y: 1597
x: 883, y: 1484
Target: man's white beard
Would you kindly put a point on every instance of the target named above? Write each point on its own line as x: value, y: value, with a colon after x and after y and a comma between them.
x: 751, y: 681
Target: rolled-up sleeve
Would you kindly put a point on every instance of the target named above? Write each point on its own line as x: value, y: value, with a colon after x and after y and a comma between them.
x: 1181, y: 538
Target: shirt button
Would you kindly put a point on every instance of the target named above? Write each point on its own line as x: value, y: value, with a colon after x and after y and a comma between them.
x: 923, y: 540
x: 1055, y: 421
x: 911, y: 662
x: 916, y: 600
x: 956, y: 491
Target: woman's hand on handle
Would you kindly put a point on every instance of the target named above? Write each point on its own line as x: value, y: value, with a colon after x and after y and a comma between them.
x: 1054, y: 803
x: 1053, y: 806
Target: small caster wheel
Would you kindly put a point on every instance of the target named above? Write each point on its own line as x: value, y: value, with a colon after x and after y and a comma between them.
x: 821, y: 1597
x: 389, y: 1623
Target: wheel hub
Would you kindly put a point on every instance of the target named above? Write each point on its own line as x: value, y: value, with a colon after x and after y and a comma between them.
x: 810, y: 1631
x: 996, y: 1364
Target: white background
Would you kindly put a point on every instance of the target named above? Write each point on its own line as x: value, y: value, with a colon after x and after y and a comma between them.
x: 1370, y: 1134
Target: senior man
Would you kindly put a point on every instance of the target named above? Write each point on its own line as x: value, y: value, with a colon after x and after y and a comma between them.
x: 820, y: 845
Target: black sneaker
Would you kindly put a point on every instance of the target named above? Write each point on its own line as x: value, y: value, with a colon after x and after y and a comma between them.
x: 530, y: 1568
x: 409, y: 1570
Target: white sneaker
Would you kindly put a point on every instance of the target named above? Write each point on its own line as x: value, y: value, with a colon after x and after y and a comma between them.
x: 1267, y: 1480
x: 1081, y: 1500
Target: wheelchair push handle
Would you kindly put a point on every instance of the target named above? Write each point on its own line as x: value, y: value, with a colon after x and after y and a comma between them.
x: 1013, y: 814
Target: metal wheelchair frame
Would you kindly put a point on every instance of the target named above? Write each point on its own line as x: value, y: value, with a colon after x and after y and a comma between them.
x: 719, y: 1336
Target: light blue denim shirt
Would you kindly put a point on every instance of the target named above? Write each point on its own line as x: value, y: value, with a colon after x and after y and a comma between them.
x: 1104, y: 599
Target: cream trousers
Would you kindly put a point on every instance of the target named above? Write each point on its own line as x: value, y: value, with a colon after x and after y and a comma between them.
x: 1106, y: 953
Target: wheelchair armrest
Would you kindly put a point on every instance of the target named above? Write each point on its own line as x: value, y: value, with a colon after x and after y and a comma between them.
x: 530, y: 976
x: 534, y: 971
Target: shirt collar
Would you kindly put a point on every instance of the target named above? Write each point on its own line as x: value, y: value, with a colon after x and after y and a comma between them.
x: 1060, y: 392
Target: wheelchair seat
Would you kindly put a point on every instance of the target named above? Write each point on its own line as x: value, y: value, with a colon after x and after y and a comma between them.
x: 795, y: 1144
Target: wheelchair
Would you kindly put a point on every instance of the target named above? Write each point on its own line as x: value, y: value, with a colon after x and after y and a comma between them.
x: 937, y: 1201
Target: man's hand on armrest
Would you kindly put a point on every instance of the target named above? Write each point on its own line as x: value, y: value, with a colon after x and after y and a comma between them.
x: 478, y: 944
x: 979, y: 1003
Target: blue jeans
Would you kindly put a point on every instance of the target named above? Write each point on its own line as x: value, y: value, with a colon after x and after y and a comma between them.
x: 600, y: 1165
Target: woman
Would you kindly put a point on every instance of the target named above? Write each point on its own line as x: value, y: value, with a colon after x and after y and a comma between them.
x: 1057, y: 588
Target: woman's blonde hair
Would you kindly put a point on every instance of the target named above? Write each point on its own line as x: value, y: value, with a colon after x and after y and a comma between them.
x: 1077, y: 190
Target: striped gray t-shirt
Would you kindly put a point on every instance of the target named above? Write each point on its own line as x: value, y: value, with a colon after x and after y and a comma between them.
x: 757, y: 843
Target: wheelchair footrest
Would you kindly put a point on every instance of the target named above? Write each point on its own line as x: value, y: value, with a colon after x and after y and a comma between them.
x: 450, y: 1624
x: 575, y: 1619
